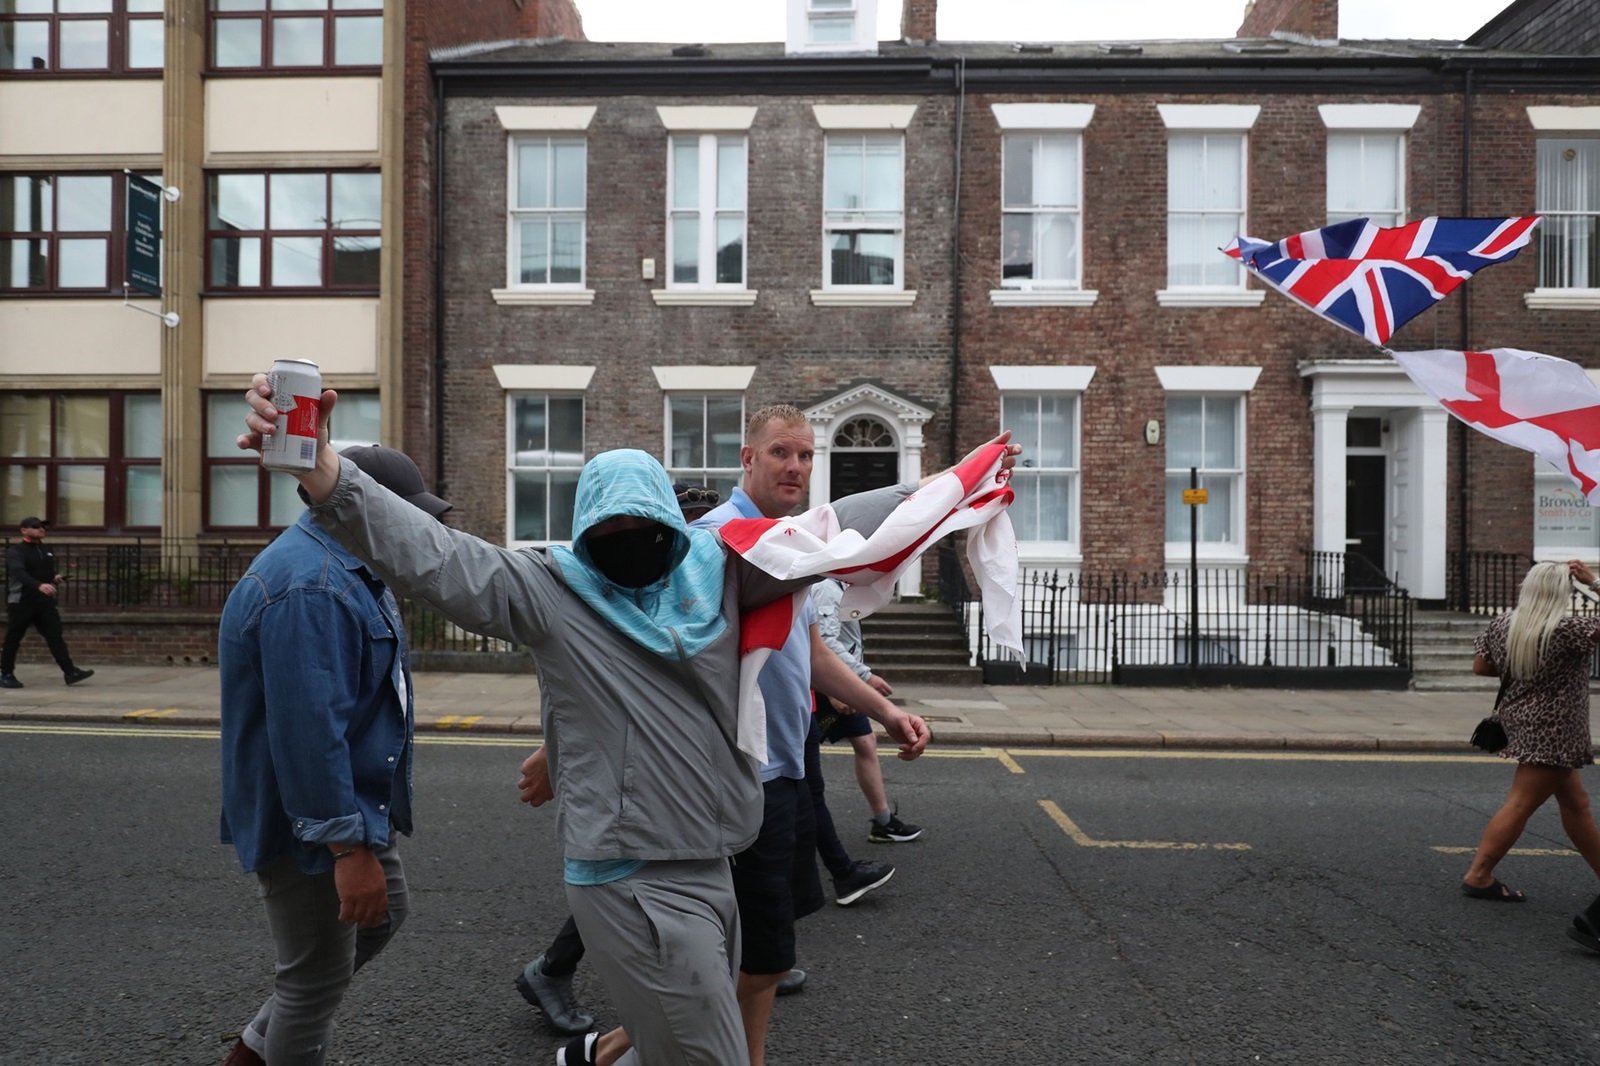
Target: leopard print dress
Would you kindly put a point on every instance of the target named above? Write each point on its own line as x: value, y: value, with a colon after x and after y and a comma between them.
x: 1546, y: 716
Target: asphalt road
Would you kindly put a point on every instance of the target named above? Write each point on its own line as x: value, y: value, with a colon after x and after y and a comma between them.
x: 1063, y: 907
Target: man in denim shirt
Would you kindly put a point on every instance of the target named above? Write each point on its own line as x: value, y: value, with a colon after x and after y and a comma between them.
x: 316, y: 764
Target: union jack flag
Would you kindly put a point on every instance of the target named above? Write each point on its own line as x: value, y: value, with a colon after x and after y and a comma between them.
x: 1372, y: 280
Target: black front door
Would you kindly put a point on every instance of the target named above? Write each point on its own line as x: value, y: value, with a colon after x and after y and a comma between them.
x: 852, y: 472
x: 1365, y: 489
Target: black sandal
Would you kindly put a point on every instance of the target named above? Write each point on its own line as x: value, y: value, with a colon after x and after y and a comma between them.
x: 1493, y: 891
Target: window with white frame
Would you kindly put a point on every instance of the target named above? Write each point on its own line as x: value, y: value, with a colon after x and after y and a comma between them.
x: 1366, y: 177
x: 864, y: 211
x: 1041, y: 211
x: 1206, y: 432
x: 1205, y: 208
x: 1568, y: 197
x: 706, y: 219
x: 830, y: 21
x: 545, y: 454
x: 1046, y: 476
x: 547, y: 210
x: 704, y: 433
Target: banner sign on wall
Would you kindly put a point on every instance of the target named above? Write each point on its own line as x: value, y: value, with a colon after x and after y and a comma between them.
x: 144, y: 235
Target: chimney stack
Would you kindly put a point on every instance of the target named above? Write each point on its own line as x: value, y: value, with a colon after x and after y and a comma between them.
x: 552, y: 18
x: 919, y: 21
x: 1318, y: 19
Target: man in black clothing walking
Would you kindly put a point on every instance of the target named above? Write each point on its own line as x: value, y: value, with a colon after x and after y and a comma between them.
x: 31, y: 581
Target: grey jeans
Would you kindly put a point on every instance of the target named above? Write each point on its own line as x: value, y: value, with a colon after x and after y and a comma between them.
x: 317, y: 955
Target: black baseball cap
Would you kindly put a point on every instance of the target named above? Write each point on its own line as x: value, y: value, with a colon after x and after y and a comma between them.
x: 395, y: 471
x: 33, y: 522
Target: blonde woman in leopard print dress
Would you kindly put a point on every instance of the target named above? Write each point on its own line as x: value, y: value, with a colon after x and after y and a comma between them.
x: 1546, y: 651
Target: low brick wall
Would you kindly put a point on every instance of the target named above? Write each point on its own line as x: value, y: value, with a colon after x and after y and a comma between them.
x: 130, y: 639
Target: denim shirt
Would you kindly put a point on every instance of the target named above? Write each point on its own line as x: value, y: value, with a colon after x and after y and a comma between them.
x: 316, y: 705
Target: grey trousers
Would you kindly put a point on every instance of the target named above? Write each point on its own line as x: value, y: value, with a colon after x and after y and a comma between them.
x: 317, y: 955
x: 665, y: 942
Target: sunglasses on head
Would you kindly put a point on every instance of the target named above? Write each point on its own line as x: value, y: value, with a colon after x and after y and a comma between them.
x: 698, y: 495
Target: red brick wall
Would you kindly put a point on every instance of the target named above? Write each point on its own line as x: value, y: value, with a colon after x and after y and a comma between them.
x: 125, y: 639
x: 919, y: 20
x: 1314, y: 18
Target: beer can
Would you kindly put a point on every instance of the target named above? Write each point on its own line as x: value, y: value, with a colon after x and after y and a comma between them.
x: 297, y: 393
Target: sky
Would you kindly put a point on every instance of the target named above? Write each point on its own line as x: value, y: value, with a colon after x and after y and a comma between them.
x: 703, y: 21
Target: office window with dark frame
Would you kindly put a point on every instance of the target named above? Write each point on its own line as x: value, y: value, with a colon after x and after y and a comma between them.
x: 88, y: 461
x: 99, y: 37
x: 293, y: 36
x: 62, y: 233
x: 296, y: 230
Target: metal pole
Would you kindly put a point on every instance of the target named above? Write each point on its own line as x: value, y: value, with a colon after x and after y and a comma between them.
x: 1194, y: 570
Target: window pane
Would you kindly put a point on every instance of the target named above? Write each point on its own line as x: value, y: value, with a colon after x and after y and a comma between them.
x: 1056, y: 175
x: 84, y: 44
x: 24, y: 46
x: 884, y: 183
x: 299, y: 201
x: 234, y: 495
x: 141, y: 504
x: 26, y: 204
x: 1344, y: 173
x: 863, y: 259
x: 1056, y: 431
x: 1224, y: 187
x: 283, y: 502
x: 24, y: 426
x: 569, y: 174
x: 357, y: 201
x: 24, y: 493
x: 355, y: 421
x: 731, y: 181
x: 236, y: 43
x: 238, y: 5
x: 238, y: 201
x: 529, y: 443
x: 147, y: 44
x: 529, y: 520
x: 844, y: 174
x: 1185, y: 172
x: 297, y: 42
x: 358, y: 5
x: 1183, y: 432
x: 299, y: 5
x: 296, y: 262
x: 566, y: 430
x: 236, y: 262
x: 1058, y: 248
x: 83, y: 427
x: 563, y: 503
x: 725, y: 430
x: 83, y: 204
x: 1017, y: 180
x: 141, y: 426
x: 24, y: 264
x: 358, y: 42
x: 833, y: 30
x: 686, y: 250
x: 81, y: 264
x: 356, y: 260
x: 224, y: 419
x: 83, y: 7
x: 686, y: 172
x: 1221, y: 430
x: 533, y: 177
x: 81, y: 495
x: 730, y: 251
x: 1016, y: 247
x: 145, y: 6
x: 533, y: 244
x: 1020, y: 414
x: 1380, y: 185
x: 566, y: 253
x: 688, y: 431
x: 1216, y: 516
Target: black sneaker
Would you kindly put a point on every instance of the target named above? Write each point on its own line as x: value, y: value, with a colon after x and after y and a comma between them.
x: 9, y: 681
x: 894, y: 831
x: 75, y: 675
x: 553, y: 996
x: 792, y: 982
x: 862, y: 878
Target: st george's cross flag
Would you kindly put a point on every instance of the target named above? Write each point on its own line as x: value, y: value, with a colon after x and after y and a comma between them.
x: 1539, y: 403
x: 1372, y: 280
x: 972, y: 496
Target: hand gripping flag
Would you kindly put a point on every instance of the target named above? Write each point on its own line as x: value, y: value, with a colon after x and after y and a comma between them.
x: 1535, y: 402
x: 1373, y: 280
x: 973, y: 495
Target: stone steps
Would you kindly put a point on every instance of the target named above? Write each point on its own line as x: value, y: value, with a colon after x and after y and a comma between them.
x: 919, y: 644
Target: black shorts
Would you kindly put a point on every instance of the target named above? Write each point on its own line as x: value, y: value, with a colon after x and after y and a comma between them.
x: 836, y: 725
x: 775, y: 879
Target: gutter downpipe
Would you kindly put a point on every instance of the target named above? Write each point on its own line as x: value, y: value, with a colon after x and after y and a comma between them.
x: 1463, y: 450
x: 440, y: 486
x: 960, y: 70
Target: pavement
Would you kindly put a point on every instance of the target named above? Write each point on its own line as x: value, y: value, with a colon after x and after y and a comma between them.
x: 990, y: 715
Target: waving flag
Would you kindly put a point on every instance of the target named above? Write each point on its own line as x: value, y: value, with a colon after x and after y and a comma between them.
x: 974, y: 495
x: 1373, y: 280
x: 1535, y: 402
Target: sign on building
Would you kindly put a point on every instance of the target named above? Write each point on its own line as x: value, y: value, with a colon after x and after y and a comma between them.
x: 144, y: 236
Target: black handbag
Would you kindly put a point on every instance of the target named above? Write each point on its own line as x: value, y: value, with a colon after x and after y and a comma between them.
x: 1490, y: 735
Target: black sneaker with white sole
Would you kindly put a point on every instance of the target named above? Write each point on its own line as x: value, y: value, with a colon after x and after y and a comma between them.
x: 862, y: 878
x: 894, y: 831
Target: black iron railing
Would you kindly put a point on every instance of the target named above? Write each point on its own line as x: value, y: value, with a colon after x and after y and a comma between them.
x: 1484, y: 582
x: 150, y: 574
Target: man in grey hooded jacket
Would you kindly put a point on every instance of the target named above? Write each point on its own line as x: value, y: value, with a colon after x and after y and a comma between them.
x: 635, y: 634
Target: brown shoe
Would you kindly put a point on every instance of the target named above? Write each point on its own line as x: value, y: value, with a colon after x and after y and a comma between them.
x: 241, y: 1055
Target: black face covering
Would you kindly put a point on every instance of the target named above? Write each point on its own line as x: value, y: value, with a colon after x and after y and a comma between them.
x: 632, y: 558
